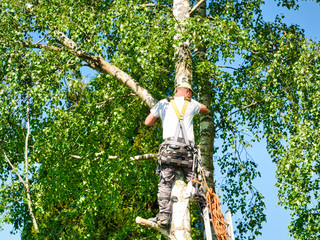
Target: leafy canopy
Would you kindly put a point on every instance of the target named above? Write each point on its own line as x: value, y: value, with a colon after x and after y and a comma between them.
x: 81, y: 118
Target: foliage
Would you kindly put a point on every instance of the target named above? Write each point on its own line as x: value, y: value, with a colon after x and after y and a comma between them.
x: 81, y: 118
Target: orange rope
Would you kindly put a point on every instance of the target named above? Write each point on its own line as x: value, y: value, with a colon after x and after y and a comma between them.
x: 218, y: 220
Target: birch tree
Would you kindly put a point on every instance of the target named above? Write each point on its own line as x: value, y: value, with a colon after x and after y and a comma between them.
x: 78, y: 78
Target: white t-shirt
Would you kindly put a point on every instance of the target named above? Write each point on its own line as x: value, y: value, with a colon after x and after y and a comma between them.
x: 165, y: 111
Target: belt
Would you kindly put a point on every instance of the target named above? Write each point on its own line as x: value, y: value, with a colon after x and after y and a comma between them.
x: 180, y: 142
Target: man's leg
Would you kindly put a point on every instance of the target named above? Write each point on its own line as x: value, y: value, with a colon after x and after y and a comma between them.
x: 164, y: 195
x: 164, y: 188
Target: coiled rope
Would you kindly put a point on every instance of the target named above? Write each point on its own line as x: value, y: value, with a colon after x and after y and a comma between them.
x: 217, y: 217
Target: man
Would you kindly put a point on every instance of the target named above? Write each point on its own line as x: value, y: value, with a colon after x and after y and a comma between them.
x: 175, y: 151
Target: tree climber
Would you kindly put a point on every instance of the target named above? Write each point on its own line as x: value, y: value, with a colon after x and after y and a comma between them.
x: 177, y: 149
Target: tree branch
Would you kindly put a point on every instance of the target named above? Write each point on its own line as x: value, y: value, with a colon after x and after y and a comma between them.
x: 155, y: 5
x: 144, y: 222
x: 26, y: 164
x: 99, y: 64
x: 196, y: 6
x: 144, y: 156
x: 240, y: 109
x: 44, y: 37
x: 233, y: 68
x: 138, y: 157
x: 40, y: 46
x: 13, y: 168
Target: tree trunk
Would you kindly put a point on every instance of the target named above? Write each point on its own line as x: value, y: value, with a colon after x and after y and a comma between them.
x: 180, y: 228
x: 180, y: 223
x: 183, y: 60
x: 205, y: 97
x: 206, y: 121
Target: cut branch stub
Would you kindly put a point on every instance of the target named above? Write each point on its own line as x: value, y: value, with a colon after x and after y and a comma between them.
x: 144, y: 222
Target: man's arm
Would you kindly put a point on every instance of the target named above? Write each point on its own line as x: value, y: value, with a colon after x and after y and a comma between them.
x: 150, y: 120
x: 203, y: 109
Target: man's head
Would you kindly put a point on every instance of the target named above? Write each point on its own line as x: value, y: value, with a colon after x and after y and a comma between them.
x: 184, y: 89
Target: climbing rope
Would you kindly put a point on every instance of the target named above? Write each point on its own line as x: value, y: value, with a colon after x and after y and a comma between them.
x: 217, y: 217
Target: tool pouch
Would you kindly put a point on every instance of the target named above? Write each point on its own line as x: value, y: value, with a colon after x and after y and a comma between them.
x: 176, y: 155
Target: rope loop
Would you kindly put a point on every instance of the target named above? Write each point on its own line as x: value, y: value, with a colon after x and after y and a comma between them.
x: 217, y: 217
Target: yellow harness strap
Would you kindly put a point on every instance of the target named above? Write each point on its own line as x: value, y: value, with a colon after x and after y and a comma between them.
x: 174, y: 105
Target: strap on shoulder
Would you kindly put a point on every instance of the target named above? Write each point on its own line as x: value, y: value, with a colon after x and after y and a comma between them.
x: 184, y: 108
x: 180, y: 116
x: 183, y: 111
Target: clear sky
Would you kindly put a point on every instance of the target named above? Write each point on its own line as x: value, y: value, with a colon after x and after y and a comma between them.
x: 308, y: 17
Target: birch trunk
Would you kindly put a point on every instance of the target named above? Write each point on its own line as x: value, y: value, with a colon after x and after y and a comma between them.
x: 180, y: 224
x: 205, y: 97
x: 183, y: 61
x: 180, y: 221
x: 206, y: 121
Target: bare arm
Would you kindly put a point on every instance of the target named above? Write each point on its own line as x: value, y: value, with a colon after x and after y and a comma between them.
x: 203, y: 109
x: 150, y: 120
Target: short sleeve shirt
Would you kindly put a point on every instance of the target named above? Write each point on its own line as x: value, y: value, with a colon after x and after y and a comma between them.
x: 165, y: 111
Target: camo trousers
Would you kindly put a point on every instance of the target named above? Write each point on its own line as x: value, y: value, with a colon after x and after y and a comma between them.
x: 167, y: 175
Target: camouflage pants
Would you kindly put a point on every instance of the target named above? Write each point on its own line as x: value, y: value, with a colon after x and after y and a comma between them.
x: 167, y: 175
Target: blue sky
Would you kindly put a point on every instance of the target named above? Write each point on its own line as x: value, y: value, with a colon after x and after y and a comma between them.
x: 278, y: 219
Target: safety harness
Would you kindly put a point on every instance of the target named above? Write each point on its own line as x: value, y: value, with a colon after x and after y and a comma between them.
x: 178, y: 151
x: 183, y: 153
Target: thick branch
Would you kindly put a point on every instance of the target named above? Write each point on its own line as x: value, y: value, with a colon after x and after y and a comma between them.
x: 99, y: 64
x: 144, y: 222
x: 182, y: 55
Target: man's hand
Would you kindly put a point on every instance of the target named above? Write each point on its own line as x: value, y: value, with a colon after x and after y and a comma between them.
x: 150, y: 120
x: 203, y: 109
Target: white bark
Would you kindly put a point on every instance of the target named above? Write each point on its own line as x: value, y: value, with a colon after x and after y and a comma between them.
x: 13, y: 168
x: 183, y: 60
x: 26, y: 167
x: 180, y: 223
